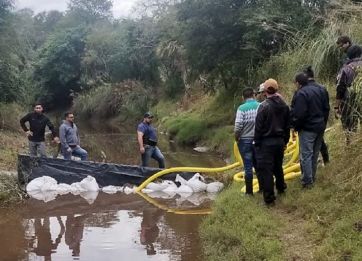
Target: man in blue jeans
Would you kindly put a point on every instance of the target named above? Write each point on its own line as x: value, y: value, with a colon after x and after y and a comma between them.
x: 147, y: 140
x: 244, y: 134
x: 309, y: 116
x: 69, y: 139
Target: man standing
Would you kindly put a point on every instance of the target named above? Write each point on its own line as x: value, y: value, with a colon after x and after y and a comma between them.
x: 271, y: 136
x: 309, y: 116
x: 69, y: 139
x: 347, y: 103
x: 147, y: 140
x: 244, y: 135
x: 37, y: 123
x: 324, y: 147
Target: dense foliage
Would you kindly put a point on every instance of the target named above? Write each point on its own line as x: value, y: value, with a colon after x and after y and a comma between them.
x: 166, y: 46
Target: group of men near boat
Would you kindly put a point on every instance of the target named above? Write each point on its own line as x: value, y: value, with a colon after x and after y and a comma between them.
x: 262, y: 126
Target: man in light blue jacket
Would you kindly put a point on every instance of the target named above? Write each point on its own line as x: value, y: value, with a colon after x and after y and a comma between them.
x: 69, y: 139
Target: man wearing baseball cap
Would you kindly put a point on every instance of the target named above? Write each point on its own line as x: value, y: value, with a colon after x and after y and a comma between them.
x: 147, y: 140
x: 272, y: 133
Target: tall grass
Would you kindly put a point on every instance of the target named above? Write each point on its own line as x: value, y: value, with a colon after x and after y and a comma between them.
x: 128, y: 98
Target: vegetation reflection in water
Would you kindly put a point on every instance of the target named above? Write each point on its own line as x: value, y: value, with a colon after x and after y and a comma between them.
x: 113, y: 226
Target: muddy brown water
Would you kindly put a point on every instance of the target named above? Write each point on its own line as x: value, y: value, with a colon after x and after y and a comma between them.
x: 113, y: 227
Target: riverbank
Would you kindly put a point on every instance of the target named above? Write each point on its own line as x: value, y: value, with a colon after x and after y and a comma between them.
x: 324, y: 223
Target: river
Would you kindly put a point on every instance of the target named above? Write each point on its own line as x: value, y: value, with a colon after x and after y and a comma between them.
x: 110, y: 227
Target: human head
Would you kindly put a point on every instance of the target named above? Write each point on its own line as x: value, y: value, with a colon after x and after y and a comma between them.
x: 38, y: 108
x: 248, y: 93
x: 148, y: 117
x: 344, y: 42
x: 271, y: 86
x: 309, y: 72
x: 355, y: 51
x: 69, y: 116
x: 301, y: 79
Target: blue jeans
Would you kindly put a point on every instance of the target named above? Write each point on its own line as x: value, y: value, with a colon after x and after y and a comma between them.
x: 246, y: 150
x: 77, y: 152
x: 155, y: 153
x: 309, y: 145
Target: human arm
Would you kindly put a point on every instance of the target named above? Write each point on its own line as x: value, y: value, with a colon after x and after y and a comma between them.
x: 63, y: 140
x: 299, y: 110
x: 140, y: 141
x: 239, y: 124
x: 287, y: 126
x: 342, y: 85
x: 23, y: 120
x: 259, y: 124
x: 52, y: 129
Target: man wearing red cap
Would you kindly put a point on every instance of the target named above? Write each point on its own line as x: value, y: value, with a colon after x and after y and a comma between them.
x: 272, y: 134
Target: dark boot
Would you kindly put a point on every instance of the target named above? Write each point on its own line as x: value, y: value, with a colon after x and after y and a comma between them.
x: 249, y: 186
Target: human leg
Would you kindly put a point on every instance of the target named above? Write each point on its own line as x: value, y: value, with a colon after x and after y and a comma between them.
x: 246, y: 151
x: 32, y: 148
x: 80, y: 152
x: 306, y: 145
x: 278, y: 153
x: 146, y: 155
x: 316, y: 149
x: 157, y: 155
x: 265, y: 167
x: 41, y: 149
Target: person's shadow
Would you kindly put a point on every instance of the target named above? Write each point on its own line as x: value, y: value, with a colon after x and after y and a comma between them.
x: 149, y: 228
x: 74, y: 227
x: 46, y: 247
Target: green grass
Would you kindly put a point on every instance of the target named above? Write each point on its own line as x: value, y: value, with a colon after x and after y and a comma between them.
x: 10, y: 192
x: 240, y: 229
x: 323, y: 223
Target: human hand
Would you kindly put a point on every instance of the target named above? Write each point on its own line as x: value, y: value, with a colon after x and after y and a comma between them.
x: 142, y: 150
x: 29, y: 133
x: 69, y: 149
x: 56, y: 140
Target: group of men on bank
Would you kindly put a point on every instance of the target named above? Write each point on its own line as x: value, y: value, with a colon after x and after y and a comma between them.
x: 262, y: 130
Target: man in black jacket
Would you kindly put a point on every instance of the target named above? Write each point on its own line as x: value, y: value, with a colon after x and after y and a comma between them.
x: 272, y: 134
x: 37, y: 123
x: 309, y: 116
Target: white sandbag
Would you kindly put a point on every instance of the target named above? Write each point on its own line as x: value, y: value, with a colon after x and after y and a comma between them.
x: 128, y: 190
x: 181, y: 180
x: 109, y: 189
x: 44, y: 183
x: 45, y: 196
x: 171, y: 187
x: 184, y: 189
x: 76, y: 188
x: 196, y: 184
x: 119, y: 188
x: 156, y: 186
x: 89, y: 196
x: 147, y: 191
x: 63, y: 189
x: 214, y: 187
x: 89, y: 184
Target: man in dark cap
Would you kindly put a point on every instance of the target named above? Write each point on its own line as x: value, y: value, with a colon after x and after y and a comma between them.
x: 147, y: 140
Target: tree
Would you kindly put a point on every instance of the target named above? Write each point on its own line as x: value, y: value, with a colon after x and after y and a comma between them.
x: 59, y: 68
x: 90, y: 11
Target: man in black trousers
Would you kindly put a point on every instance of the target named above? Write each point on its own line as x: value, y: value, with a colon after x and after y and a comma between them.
x: 272, y: 134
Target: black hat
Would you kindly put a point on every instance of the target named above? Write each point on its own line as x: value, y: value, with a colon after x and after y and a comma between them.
x: 148, y: 115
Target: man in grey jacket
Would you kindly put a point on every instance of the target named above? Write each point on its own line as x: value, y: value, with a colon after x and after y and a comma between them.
x: 69, y: 139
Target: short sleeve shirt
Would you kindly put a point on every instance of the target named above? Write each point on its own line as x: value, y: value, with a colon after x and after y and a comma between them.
x: 149, y: 132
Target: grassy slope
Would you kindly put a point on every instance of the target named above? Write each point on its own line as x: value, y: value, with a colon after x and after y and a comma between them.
x: 320, y: 224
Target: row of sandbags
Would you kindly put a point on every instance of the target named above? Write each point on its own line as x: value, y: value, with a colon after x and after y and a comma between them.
x: 46, y: 188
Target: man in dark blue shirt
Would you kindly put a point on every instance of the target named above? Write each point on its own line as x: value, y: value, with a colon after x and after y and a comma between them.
x: 147, y: 140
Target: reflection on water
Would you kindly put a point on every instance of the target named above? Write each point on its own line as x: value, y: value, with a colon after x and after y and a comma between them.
x: 115, y: 227
x: 109, y: 227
